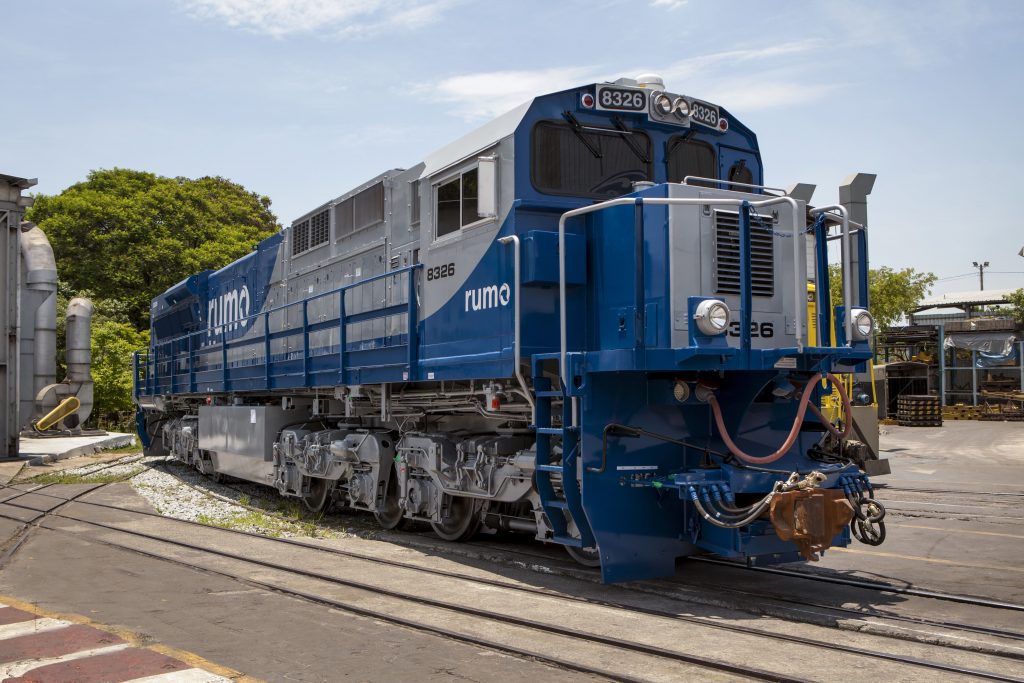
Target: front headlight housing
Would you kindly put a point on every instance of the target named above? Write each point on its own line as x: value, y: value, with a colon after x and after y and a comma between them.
x: 861, y: 323
x: 712, y: 317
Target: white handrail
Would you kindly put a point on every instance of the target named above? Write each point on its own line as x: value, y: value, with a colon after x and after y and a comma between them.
x: 516, y: 348
x: 799, y: 287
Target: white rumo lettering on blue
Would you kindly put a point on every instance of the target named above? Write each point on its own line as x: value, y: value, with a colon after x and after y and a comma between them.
x: 491, y: 296
x: 228, y: 312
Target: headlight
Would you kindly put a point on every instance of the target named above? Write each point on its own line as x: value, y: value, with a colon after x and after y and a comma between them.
x: 681, y: 107
x: 662, y: 103
x: 862, y: 322
x: 712, y: 316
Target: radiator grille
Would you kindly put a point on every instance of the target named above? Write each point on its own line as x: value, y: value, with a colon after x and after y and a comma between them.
x: 300, y: 237
x: 319, y: 229
x: 727, y: 254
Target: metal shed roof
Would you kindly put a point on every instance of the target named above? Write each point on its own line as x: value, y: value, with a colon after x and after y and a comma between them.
x: 958, y: 299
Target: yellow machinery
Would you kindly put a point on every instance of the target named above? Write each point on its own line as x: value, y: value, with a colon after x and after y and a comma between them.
x: 69, y: 405
x: 865, y: 414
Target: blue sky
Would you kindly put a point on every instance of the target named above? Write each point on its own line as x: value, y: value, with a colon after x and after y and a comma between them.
x: 303, y: 99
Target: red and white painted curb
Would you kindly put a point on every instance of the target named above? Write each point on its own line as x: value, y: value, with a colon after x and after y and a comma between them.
x: 41, y: 649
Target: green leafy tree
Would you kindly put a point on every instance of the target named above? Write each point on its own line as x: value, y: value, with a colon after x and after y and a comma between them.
x: 112, y: 346
x: 893, y: 293
x: 1016, y: 308
x: 128, y: 235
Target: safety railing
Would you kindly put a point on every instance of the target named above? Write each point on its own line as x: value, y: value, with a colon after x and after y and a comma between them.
x: 745, y: 207
x: 798, y: 290
x: 327, y: 339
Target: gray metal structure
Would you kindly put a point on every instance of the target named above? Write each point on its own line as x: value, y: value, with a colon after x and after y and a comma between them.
x: 12, y: 207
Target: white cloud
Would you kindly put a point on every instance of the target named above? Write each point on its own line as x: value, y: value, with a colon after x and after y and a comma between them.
x: 702, y: 64
x: 484, y: 95
x: 345, y: 17
x: 746, y: 95
x: 766, y: 83
x: 669, y: 4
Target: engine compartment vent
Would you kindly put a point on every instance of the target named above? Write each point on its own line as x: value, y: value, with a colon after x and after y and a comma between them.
x: 727, y: 254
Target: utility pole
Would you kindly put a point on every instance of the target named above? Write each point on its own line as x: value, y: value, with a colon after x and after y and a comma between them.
x: 981, y: 273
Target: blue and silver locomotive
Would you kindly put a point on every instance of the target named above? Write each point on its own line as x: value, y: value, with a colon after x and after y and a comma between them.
x: 586, y: 321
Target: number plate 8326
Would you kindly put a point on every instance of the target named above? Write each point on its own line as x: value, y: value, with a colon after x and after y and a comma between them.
x: 621, y: 99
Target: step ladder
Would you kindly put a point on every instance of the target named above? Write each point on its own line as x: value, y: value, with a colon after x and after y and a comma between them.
x: 566, y: 507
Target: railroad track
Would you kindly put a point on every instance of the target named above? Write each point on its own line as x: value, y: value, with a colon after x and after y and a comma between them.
x: 877, y: 586
x: 999, y: 494
x: 604, y: 640
x: 801, y: 602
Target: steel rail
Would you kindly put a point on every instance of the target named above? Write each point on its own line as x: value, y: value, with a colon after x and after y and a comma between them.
x: 353, y: 609
x: 500, y: 584
x: 652, y: 650
x: 872, y: 585
x: 27, y: 528
x: 802, y: 602
x: 1003, y: 633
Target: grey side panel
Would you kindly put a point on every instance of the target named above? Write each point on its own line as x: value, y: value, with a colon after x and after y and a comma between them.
x: 242, y: 438
x: 466, y: 247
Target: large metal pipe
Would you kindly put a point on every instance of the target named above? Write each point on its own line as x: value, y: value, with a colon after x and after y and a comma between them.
x: 78, y: 332
x: 38, y: 316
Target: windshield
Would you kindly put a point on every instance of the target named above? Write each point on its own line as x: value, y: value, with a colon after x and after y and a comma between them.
x: 584, y: 161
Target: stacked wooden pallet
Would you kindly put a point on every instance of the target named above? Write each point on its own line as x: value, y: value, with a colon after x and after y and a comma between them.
x: 962, y: 412
x: 918, y: 411
x: 1003, y: 405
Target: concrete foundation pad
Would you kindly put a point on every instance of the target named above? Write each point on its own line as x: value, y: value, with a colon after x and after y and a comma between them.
x: 39, y: 451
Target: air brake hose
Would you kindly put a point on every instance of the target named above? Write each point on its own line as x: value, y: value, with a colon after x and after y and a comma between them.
x: 784, y: 448
x: 797, y: 423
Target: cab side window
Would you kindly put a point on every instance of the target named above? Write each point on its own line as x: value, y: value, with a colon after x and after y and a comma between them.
x: 457, y: 203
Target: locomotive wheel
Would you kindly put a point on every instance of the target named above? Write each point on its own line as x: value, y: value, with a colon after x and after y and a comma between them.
x: 319, y: 495
x: 389, y: 513
x: 463, y: 520
x: 588, y: 557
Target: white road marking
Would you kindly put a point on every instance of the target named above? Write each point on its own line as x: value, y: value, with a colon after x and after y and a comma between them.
x: 26, y: 628
x: 20, y: 668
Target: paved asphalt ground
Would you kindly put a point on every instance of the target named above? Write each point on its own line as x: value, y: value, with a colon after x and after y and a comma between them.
x: 954, y: 525
x: 956, y: 511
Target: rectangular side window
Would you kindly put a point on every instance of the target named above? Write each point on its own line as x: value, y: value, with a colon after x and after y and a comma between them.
x: 457, y: 203
x: 448, y: 206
